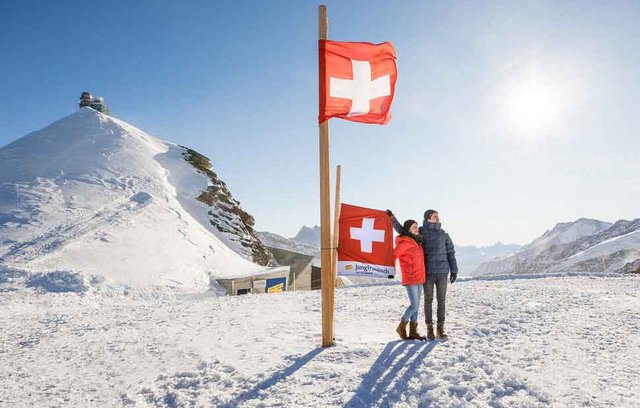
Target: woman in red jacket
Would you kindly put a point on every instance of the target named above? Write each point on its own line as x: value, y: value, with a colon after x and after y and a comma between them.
x: 409, y: 251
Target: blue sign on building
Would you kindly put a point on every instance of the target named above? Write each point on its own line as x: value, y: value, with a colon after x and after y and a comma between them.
x: 275, y: 285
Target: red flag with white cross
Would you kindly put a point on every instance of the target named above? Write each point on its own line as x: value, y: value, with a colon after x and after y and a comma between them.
x: 366, y: 243
x: 357, y: 81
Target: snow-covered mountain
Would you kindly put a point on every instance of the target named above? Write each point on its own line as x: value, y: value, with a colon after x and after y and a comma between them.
x: 564, y: 233
x: 308, y: 236
x: 92, y: 194
x: 273, y: 240
x: 582, y: 246
x: 610, y: 250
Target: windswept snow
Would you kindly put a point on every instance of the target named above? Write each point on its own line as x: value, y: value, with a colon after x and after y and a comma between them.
x: 94, y: 195
x: 554, y: 341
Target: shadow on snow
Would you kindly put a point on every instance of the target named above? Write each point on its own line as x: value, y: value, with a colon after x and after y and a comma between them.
x: 276, y: 377
x: 385, y: 381
x: 390, y: 373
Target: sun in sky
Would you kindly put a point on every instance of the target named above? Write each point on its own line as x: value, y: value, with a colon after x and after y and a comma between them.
x: 534, y: 101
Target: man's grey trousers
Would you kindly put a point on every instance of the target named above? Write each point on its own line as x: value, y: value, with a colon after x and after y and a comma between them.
x: 440, y: 283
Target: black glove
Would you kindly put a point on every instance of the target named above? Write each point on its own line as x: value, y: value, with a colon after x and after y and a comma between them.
x: 389, y: 213
x: 453, y: 277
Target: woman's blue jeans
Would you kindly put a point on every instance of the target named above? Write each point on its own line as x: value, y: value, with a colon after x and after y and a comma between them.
x: 414, y: 292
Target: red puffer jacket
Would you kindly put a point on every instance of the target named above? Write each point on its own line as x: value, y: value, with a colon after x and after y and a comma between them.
x: 411, y: 257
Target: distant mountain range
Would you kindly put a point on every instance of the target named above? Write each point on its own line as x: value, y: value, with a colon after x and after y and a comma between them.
x: 584, y: 245
x: 470, y: 257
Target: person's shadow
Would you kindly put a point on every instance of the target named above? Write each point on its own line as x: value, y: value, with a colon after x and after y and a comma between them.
x: 385, y: 378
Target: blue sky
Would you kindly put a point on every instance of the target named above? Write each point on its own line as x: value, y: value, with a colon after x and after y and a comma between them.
x: 508, y: 117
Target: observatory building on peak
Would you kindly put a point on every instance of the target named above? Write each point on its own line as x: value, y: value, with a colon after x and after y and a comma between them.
x: 97, y: 103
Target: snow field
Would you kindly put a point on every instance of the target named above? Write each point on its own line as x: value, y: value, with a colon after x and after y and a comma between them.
x: 554, y: 341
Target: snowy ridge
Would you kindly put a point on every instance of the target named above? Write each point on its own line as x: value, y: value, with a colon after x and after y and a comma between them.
x: 91, y: 190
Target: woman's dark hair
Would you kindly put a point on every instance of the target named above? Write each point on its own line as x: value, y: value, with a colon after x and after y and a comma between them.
x: 406, y: 233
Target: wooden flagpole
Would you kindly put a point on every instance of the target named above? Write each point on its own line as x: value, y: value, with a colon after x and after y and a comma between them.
x: 327, y: 280
x: 336, y: 229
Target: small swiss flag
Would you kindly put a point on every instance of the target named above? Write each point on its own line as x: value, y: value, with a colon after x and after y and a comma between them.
x: 365, y: 245
x: 357, y: 81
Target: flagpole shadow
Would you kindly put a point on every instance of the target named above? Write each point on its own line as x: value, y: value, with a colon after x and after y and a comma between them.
x: 376, y: 385
x: 276, y: 377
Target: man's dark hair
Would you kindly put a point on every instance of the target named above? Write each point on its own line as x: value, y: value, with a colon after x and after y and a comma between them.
x: 429, y: 213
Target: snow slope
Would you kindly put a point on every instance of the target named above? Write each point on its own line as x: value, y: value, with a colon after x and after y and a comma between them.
x: 547, y: 342
x: 94, y: 195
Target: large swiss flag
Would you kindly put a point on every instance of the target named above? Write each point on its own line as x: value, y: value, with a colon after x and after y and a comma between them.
x: 357, y: 81
x: 365, y: 246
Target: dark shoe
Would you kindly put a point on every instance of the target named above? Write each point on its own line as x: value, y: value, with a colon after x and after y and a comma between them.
x: 430, y: 334
x: 413, y: 331
x: 441, y: 333
x: 402, y: 329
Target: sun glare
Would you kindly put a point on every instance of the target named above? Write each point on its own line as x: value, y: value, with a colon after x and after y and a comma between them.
x: 533, y: 103
x: 531, y: 106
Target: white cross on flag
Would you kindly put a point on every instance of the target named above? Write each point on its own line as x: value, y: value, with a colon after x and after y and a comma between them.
x: 366, y: 242
x: 357, y: 81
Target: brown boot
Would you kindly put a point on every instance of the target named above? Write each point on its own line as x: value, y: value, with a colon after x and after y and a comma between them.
x: 441, y: 333
x: 430, y: 334
x: 402, y: 329
x: 413, y: 331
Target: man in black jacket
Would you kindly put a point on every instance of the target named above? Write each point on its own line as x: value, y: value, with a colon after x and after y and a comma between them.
x: 440, y: 260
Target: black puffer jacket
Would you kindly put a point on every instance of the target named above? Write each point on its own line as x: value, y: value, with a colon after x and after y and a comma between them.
x: 439, y: 252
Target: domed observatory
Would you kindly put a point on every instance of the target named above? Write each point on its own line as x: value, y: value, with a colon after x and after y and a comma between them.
x: 97, y: 103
